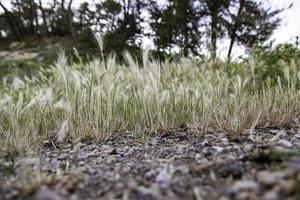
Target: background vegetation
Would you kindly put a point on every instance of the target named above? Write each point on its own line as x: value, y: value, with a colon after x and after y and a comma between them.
x: 189, y: 28
x: 94, y: 100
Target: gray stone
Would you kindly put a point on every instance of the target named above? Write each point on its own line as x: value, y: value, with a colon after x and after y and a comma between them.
x: 248, y: 185
x: 44, y: 193
x: 285, y: 143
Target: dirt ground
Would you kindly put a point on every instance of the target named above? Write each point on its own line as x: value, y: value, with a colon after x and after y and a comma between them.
x: 263, y: 164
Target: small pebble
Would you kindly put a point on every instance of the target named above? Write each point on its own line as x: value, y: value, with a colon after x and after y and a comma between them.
x: 271, y: 195
x: 163, y: 179
x: 55, y: 164
x: 44, y: 193
x: 248, y: 185
x: 267, y: 178
x: 285, y: 143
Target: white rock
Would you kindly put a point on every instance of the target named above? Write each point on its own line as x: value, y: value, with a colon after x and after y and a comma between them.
x: 248, y: 185
x: 285, y: 143
x: 218, y: 149
x: 267, y: 178
x: 32, y: 161
x: 225, y: 140
x: 271, y: 195
x: 297, y: 136
x: 164, y: 177
x: 54, y: 164
x: 278, y: 135
x: 248, y: 147
x: 44, y: 193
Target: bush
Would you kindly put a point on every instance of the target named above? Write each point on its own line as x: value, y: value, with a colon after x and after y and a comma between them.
x: 271, y: 63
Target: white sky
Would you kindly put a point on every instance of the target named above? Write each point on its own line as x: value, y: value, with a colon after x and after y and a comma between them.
x: 291, y: 25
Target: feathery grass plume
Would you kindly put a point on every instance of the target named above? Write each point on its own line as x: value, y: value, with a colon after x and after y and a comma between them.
x: 100, y: 42
x: 100, y: 99
x: 63, y: 133
x: 99, y: 39
x: 130, y: 60
x: 145, y: 57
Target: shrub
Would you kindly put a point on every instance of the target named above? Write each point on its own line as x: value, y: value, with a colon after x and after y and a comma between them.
x: 270, y: 62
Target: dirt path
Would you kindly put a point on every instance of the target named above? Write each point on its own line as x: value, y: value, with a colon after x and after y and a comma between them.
x: 263, y: 165
x: 17, y: 55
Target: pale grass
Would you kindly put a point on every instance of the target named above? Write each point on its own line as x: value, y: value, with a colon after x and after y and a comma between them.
x: 103, y: 97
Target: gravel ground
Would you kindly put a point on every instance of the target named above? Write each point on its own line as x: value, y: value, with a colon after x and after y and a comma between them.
x: 262, y: 165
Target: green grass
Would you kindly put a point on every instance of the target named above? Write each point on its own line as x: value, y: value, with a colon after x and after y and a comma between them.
x: 102, y: 98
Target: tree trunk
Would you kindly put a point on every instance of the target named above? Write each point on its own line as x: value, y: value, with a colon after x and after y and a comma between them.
x: 232, y: 41
x: 10, y: 21
x: 214, y: 34
x: 70, y: 20
x: 186, y: 35
x: 45, y: 24
x: 234, y: 29
x: 62, y: 4
x: 31, y: 18
x: 186, y: 44
x: 37, y: 24
x: 19, y: 21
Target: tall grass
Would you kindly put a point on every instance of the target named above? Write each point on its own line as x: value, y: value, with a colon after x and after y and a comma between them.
x: 102, y: 98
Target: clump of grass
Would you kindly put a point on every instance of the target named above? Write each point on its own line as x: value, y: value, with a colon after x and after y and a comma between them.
x: 103, y: 97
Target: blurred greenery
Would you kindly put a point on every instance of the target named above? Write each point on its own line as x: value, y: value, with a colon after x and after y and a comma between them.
x: 267, y: 63
x: 273, y: 61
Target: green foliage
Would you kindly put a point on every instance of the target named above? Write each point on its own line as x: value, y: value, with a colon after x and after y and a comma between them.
x: 18, y: 68
x: 270, y: 55
x: 112, y: 7
x: 177, y: 26
x: 185, y: 27
x: 280, y: 61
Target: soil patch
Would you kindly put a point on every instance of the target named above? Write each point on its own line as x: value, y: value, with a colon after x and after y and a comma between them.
x: 262, y: 165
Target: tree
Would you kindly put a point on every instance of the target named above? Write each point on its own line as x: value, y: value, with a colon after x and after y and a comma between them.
x: 252, y: 23
x: 107, y: 14
x: 121, y: 23
x: 216, y: 13
x: 85, y: 15
x: 26, y: 16
x: 9, y: 19
x: 45, y: 23
x: 61, y: 18
x: 177, y: 26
